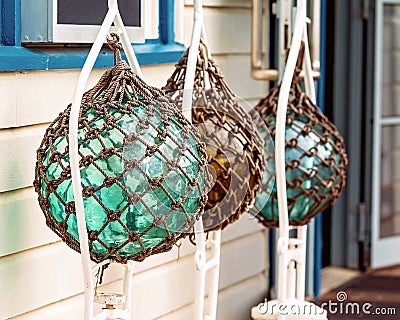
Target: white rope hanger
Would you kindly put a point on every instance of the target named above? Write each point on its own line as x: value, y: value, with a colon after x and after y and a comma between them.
x: 202, y: 310
x: 291, y: 251
x: 112, y: 16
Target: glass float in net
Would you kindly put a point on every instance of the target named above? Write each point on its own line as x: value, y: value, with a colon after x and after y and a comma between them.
x: 235, y: 150
x: 142, y: 165
x: 316, y: 159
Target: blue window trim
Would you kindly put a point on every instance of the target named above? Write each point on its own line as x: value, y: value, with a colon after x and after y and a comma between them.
x: 15, y: 57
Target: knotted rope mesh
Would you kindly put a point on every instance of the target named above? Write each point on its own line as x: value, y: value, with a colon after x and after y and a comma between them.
x: 142, y: 165
x: 234, y: 148
x: 315, y: 155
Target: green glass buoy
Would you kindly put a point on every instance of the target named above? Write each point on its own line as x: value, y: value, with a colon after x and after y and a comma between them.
x: 315, y: 156
x: 143, y: 171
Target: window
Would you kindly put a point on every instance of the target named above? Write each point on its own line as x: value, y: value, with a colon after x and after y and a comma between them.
x: 56, y: 34
x: 77, y: 21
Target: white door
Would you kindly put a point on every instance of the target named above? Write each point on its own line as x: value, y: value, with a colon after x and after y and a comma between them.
x: 385, y: 245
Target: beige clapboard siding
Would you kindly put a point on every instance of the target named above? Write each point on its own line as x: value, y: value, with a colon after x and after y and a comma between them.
x: 18, y: 145
x: 151, y: 283
x: 236, y: 301
x: 242, y: 258
x: 236, y: 69
x: 33, y: 97
x: 37, y: 277
x: 32, y: 100
x: 51, y: 91
x: 232, y: 302
x: 8, y: 103
x: 61, y: 252
x: 18, y: 156
x: 228, y: 29
x: 22, y: 224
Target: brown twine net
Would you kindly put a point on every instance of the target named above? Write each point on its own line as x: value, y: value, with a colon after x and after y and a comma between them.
x: 142, y: 165
x: 316, y: 158
x: 234, y: 148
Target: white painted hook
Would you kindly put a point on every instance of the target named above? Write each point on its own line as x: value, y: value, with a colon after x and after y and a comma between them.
x: 280, y: 144
x: 112, y: 15
x: 291, y: 251
x: 192, y: 59
x: 202, y: 266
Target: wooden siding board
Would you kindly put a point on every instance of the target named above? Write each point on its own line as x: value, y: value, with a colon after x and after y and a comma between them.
x: 30, y: 98
x: 22, y: 223
x: 36, y: 278
x: 222, y: 29
x: 18, y: 156
x: 8, y: 103
x: 39, y: 277
x: 232, y: 303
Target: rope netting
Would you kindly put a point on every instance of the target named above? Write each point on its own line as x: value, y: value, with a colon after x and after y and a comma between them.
x: 142, y: 165
x: 234, y: 149
x: 315, y: 154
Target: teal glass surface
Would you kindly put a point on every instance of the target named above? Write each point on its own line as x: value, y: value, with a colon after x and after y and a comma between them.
x: 311, y: 153
x: 134, y: 203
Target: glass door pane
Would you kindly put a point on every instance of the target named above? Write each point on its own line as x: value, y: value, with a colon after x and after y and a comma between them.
x: 390, y: 182
x: 385, y: 220
x: 390, y: 61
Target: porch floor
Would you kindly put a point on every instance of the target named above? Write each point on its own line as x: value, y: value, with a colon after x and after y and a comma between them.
x: 379, y: 288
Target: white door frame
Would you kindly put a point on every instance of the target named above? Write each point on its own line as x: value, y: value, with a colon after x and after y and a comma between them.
x: 384, y: 251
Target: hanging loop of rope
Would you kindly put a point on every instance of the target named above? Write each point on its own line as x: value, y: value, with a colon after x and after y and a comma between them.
x: 300, y: 61
x: 113, y: 43
x: 204, y: 53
